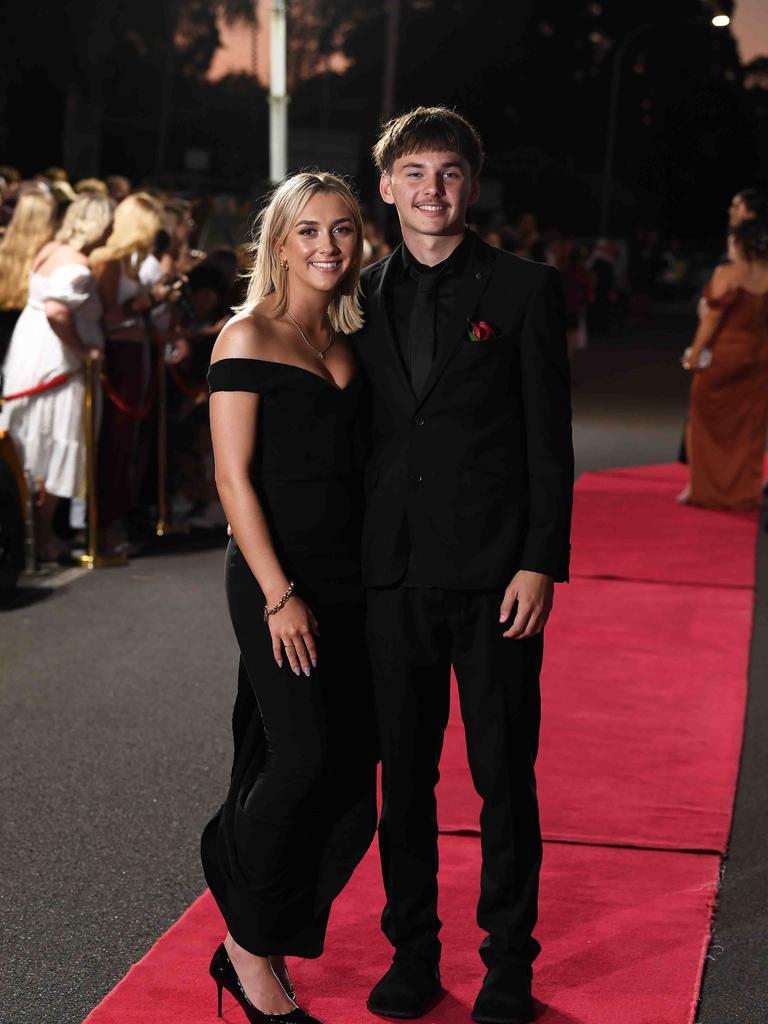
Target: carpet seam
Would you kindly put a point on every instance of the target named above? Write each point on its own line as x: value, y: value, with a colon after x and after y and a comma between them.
x: 663, y: 583
x: 705, y: 851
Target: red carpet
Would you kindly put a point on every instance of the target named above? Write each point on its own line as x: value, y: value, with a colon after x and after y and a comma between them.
x: 621, y: 930
x: 630, y: 527
x: 643, y: 693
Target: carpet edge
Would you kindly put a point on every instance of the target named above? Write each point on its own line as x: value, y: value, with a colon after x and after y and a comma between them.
x: 115, y: 990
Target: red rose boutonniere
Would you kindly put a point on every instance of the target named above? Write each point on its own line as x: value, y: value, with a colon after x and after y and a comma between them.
x: 480, y: 330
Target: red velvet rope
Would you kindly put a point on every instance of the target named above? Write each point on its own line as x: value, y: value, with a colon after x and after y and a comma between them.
x: 191, y: 391
x: 139, y: 413
x: 49, y: 385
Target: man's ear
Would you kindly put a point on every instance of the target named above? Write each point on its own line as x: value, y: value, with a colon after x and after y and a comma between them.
x: 474, y: 192
x: 385, y: 189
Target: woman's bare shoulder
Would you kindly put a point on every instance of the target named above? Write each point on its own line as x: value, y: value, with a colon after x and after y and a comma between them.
x: 44, y: 254
x: 725, y: 277
x: 246, y: 335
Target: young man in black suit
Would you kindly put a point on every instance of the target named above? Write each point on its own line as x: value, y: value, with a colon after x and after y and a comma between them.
x: 468, y: 500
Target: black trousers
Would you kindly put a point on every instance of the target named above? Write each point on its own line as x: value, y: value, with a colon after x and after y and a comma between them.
x: 414, y: 636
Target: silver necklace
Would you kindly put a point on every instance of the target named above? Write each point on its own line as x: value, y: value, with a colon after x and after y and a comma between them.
x: 316, y: 351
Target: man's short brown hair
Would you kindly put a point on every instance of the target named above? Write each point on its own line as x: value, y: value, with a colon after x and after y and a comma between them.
x: 428, y: 128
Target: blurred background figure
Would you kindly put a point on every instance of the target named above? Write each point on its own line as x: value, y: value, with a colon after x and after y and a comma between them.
x: 58, y: 332
x: 527, y: 238
x: 728, y: 414
x: 127, y: 358
x: 212, y: 289
x: 32, y: 224
x: 119, y: 187
x: 748, y: 204
x: 491, y: 234
x: 57, y: 179
x: 644, y: 265
x: 603, y: 265
x: 375, y: 245
x: 91, y: 185
x: 578, y: 288
x: 10, y: 182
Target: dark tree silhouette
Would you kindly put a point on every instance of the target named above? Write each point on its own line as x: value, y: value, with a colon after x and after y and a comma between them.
x: 127, y: 78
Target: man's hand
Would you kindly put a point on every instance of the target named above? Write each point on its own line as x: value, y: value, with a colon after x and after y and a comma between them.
x: 534, y: 593
x: 181, y: 350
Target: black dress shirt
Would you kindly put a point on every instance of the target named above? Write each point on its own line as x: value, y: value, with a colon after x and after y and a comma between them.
x: 402, y: 295
x: 405, y: 284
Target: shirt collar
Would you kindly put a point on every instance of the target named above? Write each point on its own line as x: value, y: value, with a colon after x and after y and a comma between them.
x: 454, y: 264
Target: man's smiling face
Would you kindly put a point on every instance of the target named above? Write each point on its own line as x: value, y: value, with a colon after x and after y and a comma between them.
x: 431, y: 192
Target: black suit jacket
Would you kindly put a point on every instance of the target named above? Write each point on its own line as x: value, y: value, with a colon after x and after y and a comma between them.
x: 476, y: 474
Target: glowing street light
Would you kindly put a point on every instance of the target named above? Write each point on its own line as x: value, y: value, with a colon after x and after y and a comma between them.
x: 721, y: 21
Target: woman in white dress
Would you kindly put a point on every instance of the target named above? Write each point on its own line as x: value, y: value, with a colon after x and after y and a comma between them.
x: 58, y: 332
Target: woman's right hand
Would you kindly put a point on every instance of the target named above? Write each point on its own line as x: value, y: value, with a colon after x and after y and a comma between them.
x: 294, y: 629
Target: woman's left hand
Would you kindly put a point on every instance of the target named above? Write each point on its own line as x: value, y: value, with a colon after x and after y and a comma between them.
x: 690, y: 360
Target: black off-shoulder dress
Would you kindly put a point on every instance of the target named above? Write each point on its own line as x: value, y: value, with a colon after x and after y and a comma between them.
x: 301, y: 811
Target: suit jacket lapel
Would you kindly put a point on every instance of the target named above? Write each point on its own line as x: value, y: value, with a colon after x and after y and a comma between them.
x: 476, y: 277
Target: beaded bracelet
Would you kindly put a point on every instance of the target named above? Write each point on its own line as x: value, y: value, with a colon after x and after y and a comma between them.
x: 281, y: 603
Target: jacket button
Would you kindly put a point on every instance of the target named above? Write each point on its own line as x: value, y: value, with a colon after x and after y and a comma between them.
x: 416, y: 478
x: 419, y: 421
x: 478, y: 276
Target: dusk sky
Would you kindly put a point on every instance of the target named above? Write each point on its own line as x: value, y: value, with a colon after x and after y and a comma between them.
x: 750, y: 26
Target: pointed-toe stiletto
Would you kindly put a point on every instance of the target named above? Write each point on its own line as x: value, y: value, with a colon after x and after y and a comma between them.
x: 225, y: 976
x: 287, y: 983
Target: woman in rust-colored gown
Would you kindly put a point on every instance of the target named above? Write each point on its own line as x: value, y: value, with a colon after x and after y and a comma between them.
x: 728, y: 415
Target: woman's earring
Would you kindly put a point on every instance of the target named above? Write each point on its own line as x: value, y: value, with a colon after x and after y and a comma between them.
x: 284, y: 263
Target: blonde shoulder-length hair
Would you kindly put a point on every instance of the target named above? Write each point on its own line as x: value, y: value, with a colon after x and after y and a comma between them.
x: 274, y: 223
x: 137, y: 220
x: 31, y: 226
x: 86, y: 221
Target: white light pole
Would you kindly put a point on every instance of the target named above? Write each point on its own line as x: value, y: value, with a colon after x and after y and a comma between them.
x: 278, y: 94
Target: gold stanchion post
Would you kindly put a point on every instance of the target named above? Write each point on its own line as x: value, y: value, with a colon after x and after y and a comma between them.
x: 164, y: 527
x: 92, y: 559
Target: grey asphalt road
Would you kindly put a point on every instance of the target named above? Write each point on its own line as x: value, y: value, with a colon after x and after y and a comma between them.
x: 115, y: 697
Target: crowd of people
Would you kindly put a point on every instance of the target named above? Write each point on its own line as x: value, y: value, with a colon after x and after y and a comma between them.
x: 96, y: 271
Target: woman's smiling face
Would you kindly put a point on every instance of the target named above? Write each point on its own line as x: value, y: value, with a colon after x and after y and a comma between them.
x: 321, y: 246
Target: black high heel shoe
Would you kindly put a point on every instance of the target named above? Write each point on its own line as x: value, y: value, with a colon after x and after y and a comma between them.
x: 225, y: 976
x: 287, y: 984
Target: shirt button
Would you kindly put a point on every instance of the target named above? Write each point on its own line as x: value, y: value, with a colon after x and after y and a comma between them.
x: 419, y: 421
x: 416, y: 478
x: 478, y: 276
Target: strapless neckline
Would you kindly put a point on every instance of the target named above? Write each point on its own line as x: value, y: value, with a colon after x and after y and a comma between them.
x: 291, y: 366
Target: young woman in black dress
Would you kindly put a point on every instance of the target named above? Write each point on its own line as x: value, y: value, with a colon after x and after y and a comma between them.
x: 300, y: 811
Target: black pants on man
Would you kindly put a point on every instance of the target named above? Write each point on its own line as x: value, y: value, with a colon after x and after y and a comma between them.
x: 415, y: 635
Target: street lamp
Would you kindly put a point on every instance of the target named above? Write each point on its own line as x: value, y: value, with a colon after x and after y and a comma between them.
x: 718, y: 21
